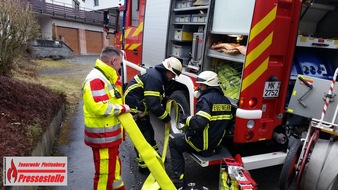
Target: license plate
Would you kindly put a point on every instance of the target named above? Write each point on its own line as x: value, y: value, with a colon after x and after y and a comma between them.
x: 271, y: 89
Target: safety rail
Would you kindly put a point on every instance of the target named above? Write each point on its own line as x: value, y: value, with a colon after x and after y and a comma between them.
x: 321, y: 123
x: 63, y: 10
x: 315, y: 127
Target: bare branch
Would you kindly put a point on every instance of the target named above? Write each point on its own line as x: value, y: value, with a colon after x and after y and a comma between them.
x: 17, y: 25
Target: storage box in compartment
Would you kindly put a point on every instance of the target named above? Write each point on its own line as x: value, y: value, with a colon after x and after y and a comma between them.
x: 184, y: 4
x: 199, y: 18
x: 181, y: 51
x: 182, y: 18
x: 182, y: 35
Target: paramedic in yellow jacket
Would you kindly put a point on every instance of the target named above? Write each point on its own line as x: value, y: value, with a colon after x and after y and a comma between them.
x: 102, y: 97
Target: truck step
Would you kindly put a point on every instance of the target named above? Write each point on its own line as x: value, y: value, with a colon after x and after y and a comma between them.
x: 211, y: 160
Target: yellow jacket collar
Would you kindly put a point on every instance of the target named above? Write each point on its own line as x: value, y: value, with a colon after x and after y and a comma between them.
x: 108, y: 71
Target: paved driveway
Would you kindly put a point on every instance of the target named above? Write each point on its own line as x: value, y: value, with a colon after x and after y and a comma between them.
x: 81, y: 169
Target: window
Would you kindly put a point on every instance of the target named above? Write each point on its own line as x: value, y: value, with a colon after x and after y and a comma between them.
x: 96, y: 2
x: 135, y: 12
x: 76, y: 4
x: 120, y: 21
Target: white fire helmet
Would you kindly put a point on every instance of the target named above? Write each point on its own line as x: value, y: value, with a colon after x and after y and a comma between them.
x: 208, y: 78
x: 173, y: 64
x: 197, y: 93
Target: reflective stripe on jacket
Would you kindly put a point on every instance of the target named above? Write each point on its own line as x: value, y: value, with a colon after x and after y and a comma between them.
x: 101, y: 106
x: 207, y: 127
x: 145, y: 91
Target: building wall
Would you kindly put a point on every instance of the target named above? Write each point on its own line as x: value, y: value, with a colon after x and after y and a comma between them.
x: 82, y: 38
x: 103, y: 4
x: 89, y: 4
x: 83, y: 41
x: 68, y: 3
x: 78, y: 25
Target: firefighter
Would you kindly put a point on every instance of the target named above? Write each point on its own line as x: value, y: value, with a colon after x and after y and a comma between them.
x: 145, y: 93
x: 102, y: 97
x: 205, y: 129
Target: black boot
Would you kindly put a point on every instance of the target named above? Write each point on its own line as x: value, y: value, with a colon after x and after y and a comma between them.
x: 178, y: 180
x: 143, y: 170
x: 142, y: 167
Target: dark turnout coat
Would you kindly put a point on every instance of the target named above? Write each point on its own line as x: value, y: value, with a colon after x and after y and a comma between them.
x: 207, y: 127
x: 145, y: 92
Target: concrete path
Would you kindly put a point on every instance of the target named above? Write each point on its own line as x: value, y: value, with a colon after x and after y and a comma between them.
x: 81, y: 169
x: 80, y: 157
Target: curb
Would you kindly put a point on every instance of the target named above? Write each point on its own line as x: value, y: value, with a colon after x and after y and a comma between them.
x: 45, y: 146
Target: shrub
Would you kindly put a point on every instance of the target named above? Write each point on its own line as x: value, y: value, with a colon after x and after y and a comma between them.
x: 17, y: 25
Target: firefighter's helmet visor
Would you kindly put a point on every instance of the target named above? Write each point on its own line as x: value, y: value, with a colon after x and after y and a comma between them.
x: 176, y: 72
x: 199, y: 80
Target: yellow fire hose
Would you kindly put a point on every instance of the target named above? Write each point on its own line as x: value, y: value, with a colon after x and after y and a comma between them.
x: 151, y: 183
x: 158, y: 177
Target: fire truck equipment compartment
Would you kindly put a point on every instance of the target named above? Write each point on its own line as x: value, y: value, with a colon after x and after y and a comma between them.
x: 312, y: 65
x: 230, y: 78
x: 181, y: 34
x: 313, y: 99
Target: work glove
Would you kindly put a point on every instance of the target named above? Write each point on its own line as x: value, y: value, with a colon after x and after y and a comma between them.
x: 183, y: 119
x: 164, y: 101
x: 138, y: 115
x: 135, y: 117
x: 125, y: 109
x: 168, y: 124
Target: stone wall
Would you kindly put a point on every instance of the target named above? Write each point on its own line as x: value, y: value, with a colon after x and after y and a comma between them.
x: 56, y: 50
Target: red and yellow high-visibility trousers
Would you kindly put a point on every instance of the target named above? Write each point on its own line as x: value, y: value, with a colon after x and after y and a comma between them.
x: 107, y: 169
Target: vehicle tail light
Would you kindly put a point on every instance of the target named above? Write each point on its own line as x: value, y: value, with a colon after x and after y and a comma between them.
x: 241, y: 102
x: 252, y: 102
x: 248, y: 135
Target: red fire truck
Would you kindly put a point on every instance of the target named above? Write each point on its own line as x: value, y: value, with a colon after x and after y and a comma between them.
x: 257, y: 47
